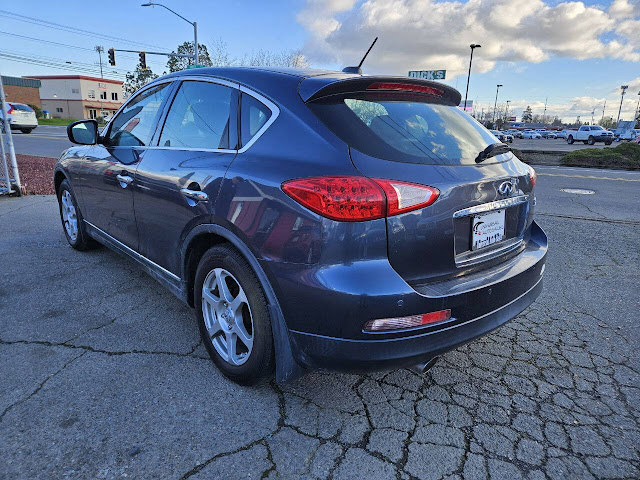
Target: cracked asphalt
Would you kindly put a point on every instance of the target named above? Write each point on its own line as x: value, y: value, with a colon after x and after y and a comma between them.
x: 103, y: 374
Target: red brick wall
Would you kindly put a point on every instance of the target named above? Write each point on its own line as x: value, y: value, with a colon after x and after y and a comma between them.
x: 27, y: 95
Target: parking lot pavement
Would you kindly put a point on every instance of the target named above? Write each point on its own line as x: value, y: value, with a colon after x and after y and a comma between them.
x: 552, y: 145
x: 103, y: 374
x: 44, y: 141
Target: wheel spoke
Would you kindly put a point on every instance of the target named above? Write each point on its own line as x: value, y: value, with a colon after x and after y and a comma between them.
x: 222, y: 285
x: 237, y: 302
x: 210, y: 298
x: 244, y: 337
x: 231, y: 348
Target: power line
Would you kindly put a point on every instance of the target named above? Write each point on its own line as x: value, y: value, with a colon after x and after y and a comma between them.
x: 56, y: 60
x: 73, y: 68
x: 66, y: 28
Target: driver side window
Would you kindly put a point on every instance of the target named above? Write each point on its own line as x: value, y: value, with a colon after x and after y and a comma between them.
x: 135, y: 124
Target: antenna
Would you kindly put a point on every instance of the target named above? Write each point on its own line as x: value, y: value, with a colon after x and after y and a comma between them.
x: 357, y: 69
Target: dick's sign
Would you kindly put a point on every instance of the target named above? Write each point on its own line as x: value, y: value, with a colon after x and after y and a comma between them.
x: 428, y: 74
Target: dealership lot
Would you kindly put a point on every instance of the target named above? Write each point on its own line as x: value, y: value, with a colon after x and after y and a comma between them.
x: 104, y: 375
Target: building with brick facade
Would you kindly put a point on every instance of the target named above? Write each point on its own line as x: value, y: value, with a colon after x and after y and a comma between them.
x: 79, y: 96
x: 22, y: 90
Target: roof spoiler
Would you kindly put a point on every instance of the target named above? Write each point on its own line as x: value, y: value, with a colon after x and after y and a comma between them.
x: 314, y: 88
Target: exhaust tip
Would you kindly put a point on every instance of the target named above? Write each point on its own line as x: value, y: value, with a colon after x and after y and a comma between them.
x: 423, y: 367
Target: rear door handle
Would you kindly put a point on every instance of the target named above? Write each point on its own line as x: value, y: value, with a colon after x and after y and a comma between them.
x: 125, y: 180
x: 195, y: 195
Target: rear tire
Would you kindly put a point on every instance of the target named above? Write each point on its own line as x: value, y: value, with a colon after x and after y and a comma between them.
x: 26, y: 130
x: 234, y: 321
x: 72, y: 220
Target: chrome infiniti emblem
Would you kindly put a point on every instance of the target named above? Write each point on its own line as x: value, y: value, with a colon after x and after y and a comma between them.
x: 506, y: 188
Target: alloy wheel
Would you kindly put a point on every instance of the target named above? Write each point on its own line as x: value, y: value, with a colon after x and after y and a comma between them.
x: 227, y: 316
x: 69, y: 217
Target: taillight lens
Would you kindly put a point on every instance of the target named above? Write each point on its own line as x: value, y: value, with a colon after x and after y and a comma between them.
x: 356, y: 199
x: 403, y: 197
x: 411, y: 321
x: 533, y: 176
x: 11, y: 109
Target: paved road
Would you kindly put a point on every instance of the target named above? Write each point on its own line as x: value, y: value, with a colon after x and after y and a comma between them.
x: 103, y: 374
x: 44, y: 141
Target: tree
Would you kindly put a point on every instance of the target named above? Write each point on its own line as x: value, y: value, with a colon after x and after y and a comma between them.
x: 556, y: 122
x: 175, y: 64
x: 607, y: 122
x: 220, y: 57
x: 527, y: 115
x: 137, y: 79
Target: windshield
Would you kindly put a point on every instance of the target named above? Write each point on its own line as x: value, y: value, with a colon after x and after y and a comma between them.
x: 405, y: 130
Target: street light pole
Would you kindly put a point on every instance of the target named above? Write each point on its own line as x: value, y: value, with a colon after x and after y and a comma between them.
x: 624, y: 89
x: 637, y: 119
x: 495, y: 104
x: 506, y: 112
x: 195, y: 27
x: 472, y: 46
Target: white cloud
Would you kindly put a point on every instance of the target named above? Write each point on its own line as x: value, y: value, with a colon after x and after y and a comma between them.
x: 427, y: 34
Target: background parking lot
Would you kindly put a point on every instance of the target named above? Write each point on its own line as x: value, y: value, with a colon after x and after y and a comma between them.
x: 104, y: 376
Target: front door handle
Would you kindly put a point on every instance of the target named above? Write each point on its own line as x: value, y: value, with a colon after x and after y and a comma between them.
x: 194, y: 195
x: 125, y: 180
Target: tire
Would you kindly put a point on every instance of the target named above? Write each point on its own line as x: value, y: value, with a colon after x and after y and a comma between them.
x: 591, y: 140
x: 68, y: 210
x: 570, y: 139
x: 250, y: 318
x: 26, y: 130
x: 607, y: 143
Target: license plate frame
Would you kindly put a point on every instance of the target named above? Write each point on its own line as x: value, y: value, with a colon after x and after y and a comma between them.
x: 487, y: 228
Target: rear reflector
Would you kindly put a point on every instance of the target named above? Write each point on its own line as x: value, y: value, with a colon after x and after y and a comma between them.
x: 411, y: 321
x: 406, y: 87
x: 356, y: 199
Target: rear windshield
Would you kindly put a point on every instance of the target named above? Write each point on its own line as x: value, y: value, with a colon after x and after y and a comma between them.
x: 22, y: 108
x: 405, y: 130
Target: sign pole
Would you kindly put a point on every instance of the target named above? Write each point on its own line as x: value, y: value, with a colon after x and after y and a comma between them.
x: 7, y: 131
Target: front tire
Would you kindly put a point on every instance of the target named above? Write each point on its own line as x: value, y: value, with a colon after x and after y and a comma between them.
x: 72, y: 220
x: 591, y: 140
x: 233, y: 316
x: 608, y: 142
x: 570, y: 140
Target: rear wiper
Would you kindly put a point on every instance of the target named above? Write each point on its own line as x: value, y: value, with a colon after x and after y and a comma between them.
x: 492, y: 150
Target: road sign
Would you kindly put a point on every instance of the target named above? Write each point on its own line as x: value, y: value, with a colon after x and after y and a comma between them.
x: 189, y: 67
x: 428, y: 74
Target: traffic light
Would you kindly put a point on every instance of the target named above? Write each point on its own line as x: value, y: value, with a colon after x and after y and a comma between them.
x: 143, y: 60
x: 112, y: 57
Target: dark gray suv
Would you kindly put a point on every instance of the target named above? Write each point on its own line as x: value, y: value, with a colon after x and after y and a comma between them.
x: 311, y: 218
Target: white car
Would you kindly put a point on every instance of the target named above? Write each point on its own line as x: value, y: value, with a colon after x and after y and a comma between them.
x: 561, y: 134
x: 530, y: 134
x: 21, y: 117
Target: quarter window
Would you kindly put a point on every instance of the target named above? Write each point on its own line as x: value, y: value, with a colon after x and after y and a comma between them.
x: 135, y: 124
x: 198, y: 117
x: 254, y: 115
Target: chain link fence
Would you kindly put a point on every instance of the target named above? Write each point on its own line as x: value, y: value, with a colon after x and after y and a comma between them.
x: 9, y: 175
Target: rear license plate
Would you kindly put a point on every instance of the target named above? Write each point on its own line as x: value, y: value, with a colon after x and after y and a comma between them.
x: 487, y: 229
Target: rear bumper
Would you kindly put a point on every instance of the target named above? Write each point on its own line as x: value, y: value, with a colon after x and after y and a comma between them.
x: 21, y: 124
x: 479, y: 303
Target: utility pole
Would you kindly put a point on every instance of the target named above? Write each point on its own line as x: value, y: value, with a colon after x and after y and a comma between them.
x: 637, y: 117
x: 592, y: 114
x: 495, y: 104
x: 100, y: 49
x: 544, y: 114
x: 472, y: 46
x: 624, y: 89
x: 603, y: 109
x: 506, y: 112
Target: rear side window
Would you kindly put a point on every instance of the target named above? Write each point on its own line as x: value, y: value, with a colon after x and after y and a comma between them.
x: 405, y: 129
x: 255, y: 115
x: 198, y: 117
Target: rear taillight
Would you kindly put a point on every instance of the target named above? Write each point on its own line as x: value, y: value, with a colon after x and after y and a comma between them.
x: 356, y: 199
x: 403, y: 197
x: 406, y: 87
x: 411, y: 321
x: 11, y: 109
x: 533, y: 176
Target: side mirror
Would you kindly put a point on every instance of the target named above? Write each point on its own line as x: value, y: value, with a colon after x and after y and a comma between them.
x: 83, y: 132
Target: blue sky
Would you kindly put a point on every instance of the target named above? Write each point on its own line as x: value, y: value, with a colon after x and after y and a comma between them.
x: 332, y: 33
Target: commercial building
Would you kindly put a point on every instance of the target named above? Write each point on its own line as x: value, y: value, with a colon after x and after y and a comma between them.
x: 22, y: 90
x: 79, y: 96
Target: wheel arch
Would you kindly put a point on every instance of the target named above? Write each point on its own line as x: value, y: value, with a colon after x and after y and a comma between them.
x: 203, y: 237
x: 58, y: 177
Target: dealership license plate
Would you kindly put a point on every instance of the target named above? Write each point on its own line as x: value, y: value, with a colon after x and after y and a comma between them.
x: 487, y: 229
